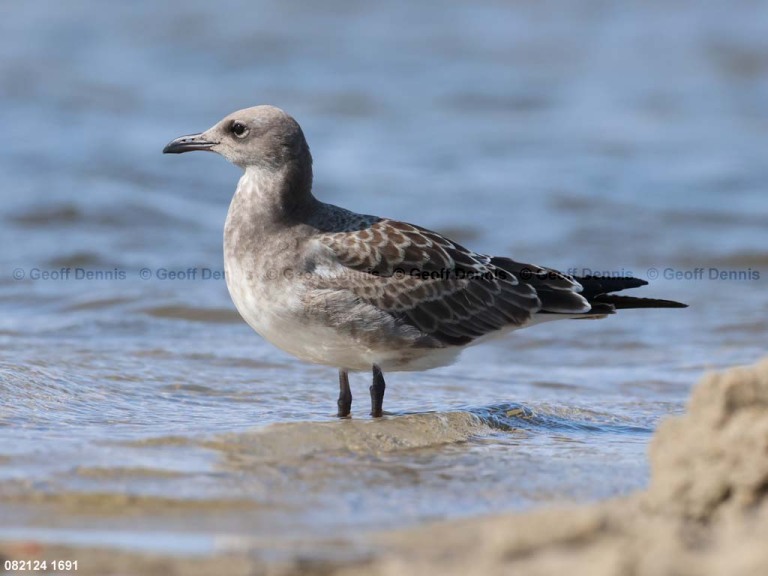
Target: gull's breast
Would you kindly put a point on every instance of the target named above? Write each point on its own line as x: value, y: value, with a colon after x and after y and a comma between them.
x: 266, y: 278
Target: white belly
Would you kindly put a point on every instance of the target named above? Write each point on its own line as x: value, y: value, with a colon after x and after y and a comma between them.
x: 275, y: 311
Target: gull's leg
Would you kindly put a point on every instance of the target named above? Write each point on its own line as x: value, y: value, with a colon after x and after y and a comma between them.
x: 377, y: 392
x: 345, y: 395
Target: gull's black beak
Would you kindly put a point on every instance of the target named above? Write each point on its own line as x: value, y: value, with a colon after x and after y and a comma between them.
x: 187, y: 144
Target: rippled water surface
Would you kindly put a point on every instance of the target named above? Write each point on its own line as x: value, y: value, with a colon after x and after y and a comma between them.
x: 137, y: 410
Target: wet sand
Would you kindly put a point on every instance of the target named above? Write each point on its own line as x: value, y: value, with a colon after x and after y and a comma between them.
x: 705, y: 512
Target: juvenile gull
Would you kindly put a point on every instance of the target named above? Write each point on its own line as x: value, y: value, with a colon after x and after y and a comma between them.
x: 360, y: 292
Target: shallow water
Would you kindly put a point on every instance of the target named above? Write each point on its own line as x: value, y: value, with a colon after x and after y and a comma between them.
x: 143, y: 413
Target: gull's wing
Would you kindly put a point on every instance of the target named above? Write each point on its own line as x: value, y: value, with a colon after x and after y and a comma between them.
x: 436, y: 285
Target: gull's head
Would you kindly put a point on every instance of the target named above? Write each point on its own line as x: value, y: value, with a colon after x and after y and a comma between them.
x: 263, y: 137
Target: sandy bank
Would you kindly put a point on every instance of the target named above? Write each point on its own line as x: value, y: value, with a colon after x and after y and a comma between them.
x: 705, y: 512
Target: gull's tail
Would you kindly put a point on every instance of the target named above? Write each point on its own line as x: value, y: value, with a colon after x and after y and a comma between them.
x: 599, y: 293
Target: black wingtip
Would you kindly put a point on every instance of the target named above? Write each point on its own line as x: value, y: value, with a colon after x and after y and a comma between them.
x: 594, y: 285
x: 628, y: 302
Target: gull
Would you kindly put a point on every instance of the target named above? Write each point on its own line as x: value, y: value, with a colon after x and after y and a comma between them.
x: 359, y: 292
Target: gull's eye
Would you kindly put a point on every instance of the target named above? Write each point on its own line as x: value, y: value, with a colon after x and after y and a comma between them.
x: 239, y: 129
